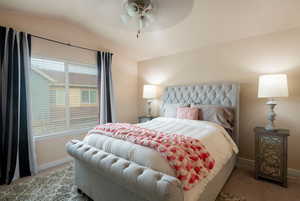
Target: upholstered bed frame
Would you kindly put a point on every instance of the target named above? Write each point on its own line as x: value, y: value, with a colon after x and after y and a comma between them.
x: 106, y: 177
x: 221, y: 94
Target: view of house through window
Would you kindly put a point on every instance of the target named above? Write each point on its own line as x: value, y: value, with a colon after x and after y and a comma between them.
x: 88, y: 96
x: 64, y: 96
x: 60, y: 96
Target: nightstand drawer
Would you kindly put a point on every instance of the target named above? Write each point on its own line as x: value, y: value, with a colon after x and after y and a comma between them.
x: 271, y: 155
x: 270, y: 160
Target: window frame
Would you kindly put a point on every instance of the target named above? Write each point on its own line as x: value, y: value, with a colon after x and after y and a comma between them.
x: 68, y: 132
x: 89, y: 90
x: 81, y: 96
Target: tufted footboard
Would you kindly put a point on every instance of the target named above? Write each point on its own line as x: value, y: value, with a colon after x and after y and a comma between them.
x: 106, y: 177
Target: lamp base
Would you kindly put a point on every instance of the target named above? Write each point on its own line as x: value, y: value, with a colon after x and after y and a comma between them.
x: 149, y: 102
x: 271, y: 115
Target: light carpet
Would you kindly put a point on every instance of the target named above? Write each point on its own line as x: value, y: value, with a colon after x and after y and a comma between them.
x: 58, y: 185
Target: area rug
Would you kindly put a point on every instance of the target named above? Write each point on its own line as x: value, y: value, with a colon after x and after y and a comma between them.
x: 58, y: 185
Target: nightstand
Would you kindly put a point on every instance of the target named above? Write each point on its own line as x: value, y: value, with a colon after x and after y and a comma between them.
x: 145, y: 118
x: 271, y: 155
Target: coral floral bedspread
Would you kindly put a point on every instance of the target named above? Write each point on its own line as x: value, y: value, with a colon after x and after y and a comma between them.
x: 186, y: 155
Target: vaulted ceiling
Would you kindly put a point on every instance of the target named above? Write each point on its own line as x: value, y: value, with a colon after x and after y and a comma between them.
x: 210, y: 22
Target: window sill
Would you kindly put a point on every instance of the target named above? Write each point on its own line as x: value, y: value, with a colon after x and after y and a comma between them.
x: 61, y: 134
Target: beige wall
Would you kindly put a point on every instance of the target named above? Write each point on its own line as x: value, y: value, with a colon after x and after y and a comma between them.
x: 240, y: 61
x: 124, y: 70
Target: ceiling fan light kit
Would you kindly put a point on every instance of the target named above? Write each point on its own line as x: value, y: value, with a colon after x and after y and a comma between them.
x: 151, y: 15
x: 139, y: 10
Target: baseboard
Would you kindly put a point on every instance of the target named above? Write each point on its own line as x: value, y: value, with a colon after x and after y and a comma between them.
x: 54, y: 163
x: 247, y: 163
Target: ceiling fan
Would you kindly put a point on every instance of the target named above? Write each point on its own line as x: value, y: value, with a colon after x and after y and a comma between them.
x: 143, y: 16
x: 139, y: 10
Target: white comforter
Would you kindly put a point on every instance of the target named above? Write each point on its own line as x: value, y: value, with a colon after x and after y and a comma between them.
x: 213, y: 136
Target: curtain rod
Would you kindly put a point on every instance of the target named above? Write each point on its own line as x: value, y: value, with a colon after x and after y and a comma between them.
x: 63, y: 43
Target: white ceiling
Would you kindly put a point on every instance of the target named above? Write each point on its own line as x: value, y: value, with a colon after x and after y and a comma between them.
x: 210, y: 22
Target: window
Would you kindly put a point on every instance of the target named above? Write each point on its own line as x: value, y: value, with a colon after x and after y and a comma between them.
x: 63, y: 95
x: 85, y: 96
x: 88, y: 96
x: 93, y: 97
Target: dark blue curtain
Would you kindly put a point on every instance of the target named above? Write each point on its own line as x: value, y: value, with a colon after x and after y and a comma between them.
x: 15, y: 145
x: 105, y: 86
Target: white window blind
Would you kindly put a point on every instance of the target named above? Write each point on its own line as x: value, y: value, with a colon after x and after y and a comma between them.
x: 64, y: 96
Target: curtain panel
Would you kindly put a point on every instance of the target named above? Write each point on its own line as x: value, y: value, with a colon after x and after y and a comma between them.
x: 105, y: 86
x: 16, y: 147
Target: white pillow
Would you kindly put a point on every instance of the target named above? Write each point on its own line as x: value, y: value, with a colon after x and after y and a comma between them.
x: 171, y: 109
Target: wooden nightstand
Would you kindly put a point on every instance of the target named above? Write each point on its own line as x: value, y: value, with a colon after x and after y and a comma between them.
x: 271, y: 155
x: 145, y: 118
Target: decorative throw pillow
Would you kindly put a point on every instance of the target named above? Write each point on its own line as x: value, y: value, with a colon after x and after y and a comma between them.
x: 171, y: 109
x: 223, y: 116
x: 187, y: 113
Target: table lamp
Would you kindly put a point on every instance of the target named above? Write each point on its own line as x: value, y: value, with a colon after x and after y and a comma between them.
x: 149, y: 93
x: 272, y: 86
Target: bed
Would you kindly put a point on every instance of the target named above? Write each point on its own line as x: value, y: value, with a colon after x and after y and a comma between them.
x: 108, y: 169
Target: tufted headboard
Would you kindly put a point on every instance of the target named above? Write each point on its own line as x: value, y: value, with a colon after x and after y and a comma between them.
x: 221, y: 94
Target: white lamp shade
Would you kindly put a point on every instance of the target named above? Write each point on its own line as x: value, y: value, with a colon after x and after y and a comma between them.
x: 149, y: 91
x: 271, y: 86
